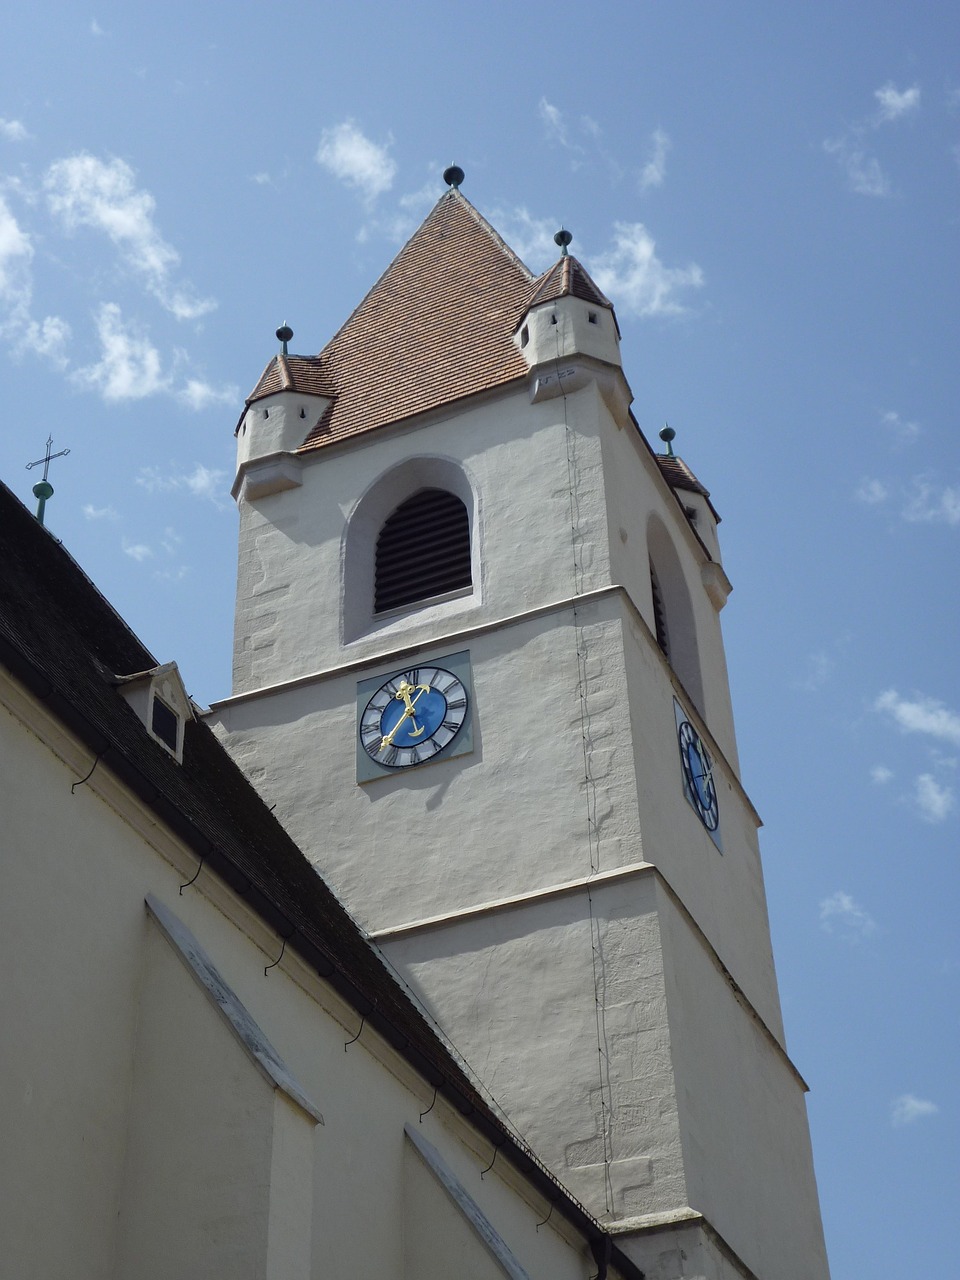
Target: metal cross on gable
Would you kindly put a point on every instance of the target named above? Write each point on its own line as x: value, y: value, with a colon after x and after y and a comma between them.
x: 43, y: 489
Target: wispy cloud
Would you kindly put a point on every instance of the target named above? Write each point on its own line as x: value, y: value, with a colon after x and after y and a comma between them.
x: 553, y: 122
x: 95, y: 28
x: 881, y: 775
x: 13, y: 130
x: 931, y: 503
x: 820, y: 666
x: 530, y: 238
x: 871, y: 491
x: 99, y: 513
x: 920, y: 715
x: 934, y: 802
x: 637, y: 280
x: 655, y: 170
x: 138, y: 551
x: 908, y: 1108
x: 356, y: 160
x: 903, y: 431
x: 16, y: 254
x: 197, y: 394
x: 839, y: 914
x: 85, y: 191
x: 201, y: 482
x: 895, y: 102
x: 129, y: 367
x: 864, y: 173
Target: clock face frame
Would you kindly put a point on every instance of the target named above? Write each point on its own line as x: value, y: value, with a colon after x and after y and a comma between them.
x: 413, y: 716
x: 699, y: 783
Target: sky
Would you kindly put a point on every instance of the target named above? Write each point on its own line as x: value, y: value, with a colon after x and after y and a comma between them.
x: 769, y: 195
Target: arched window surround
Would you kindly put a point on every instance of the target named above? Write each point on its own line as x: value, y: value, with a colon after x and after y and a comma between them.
x: 359, y: 543
x: 678, y: 614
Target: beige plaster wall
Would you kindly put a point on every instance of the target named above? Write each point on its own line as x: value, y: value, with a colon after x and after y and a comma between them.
x: 137, y: 1136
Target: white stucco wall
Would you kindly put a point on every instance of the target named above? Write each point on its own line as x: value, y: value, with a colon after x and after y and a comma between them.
x: 574, y: 772
x: 137, y: 1136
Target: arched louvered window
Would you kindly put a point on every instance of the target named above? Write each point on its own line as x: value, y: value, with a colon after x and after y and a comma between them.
x: 423, y: 550
x: 659, y: 614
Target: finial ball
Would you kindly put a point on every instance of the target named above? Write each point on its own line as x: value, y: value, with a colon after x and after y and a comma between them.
x: 667, y: 434
x: 563, y: 238
x: 284, y: 333
x: 453, y: 175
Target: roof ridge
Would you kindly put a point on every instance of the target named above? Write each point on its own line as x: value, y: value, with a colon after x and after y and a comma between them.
x: 491, y: 231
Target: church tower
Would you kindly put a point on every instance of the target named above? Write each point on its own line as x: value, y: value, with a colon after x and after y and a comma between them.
x: 478, y: 670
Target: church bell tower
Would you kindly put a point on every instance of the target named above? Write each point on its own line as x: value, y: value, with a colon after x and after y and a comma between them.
x: 478, y: 669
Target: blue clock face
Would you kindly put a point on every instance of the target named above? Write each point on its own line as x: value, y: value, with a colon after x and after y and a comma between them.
x: 413, y: 716
x: 698, y: 775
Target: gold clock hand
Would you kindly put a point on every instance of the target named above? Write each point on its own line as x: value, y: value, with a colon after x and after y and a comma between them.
x: 403, y: 693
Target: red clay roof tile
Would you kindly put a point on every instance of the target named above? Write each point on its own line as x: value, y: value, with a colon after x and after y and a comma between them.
x: 437, y: 326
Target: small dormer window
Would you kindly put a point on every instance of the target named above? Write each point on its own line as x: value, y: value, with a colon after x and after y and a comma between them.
x: 164, y: 724
x: 160, y: 700
x: 524, y: 335
x: 592, y: 317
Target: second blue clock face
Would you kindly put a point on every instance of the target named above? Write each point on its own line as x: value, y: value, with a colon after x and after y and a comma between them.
x: 413, y: 716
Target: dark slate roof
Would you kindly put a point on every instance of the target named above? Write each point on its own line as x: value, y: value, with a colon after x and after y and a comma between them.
x: 64, y: 641
x: 567, y: 278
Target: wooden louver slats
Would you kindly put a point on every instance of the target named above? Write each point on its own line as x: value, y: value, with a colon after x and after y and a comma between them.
x: 423, y: 550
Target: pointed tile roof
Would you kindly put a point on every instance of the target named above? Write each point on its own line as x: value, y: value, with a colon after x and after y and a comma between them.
x: 679, y: 476
x: 567, y: 278
x: 293, y: 373
x: 436, y: 326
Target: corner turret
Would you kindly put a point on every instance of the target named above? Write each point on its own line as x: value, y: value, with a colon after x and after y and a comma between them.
x: 568, y: 318
x: 287, y: 403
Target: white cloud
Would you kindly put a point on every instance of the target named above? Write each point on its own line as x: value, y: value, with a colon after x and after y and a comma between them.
x: 895, y: 102
x: 84, y: 191
x: 881, y: 775
x: 99, y: 513
x: 553, y: 122
x: 95, y: 28
x: 356, y: 160
x: 16, y: 254
x: 201, y: 482
x: 129, y: 368
x: 636, y: 280
x: 905, y: 432
x: 654, y: 171
x: 934, y: 802
x: 197, y: 395
x: 863, y: 172
x: 530, y: 238
x: 820, y: 667
x: 907, y: 1108
x: 871, y: 491
x: 138, y: 551
x: 13, y: 130
x: 920, y: 715
x: 841, y: 915
x: 932, y: 504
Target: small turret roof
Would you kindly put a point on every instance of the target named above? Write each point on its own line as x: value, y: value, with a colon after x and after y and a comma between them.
x: 567, y: 278
x: 679, y: 476
x: 437, y: 326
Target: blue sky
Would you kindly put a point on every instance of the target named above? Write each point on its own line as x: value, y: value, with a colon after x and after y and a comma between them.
x: 770, y: 196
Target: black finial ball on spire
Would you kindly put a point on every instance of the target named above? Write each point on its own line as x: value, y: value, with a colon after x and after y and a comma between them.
x: 563, y: 239
x: 667, y: 434
x: 453, y: 175
x: 284, y: 333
